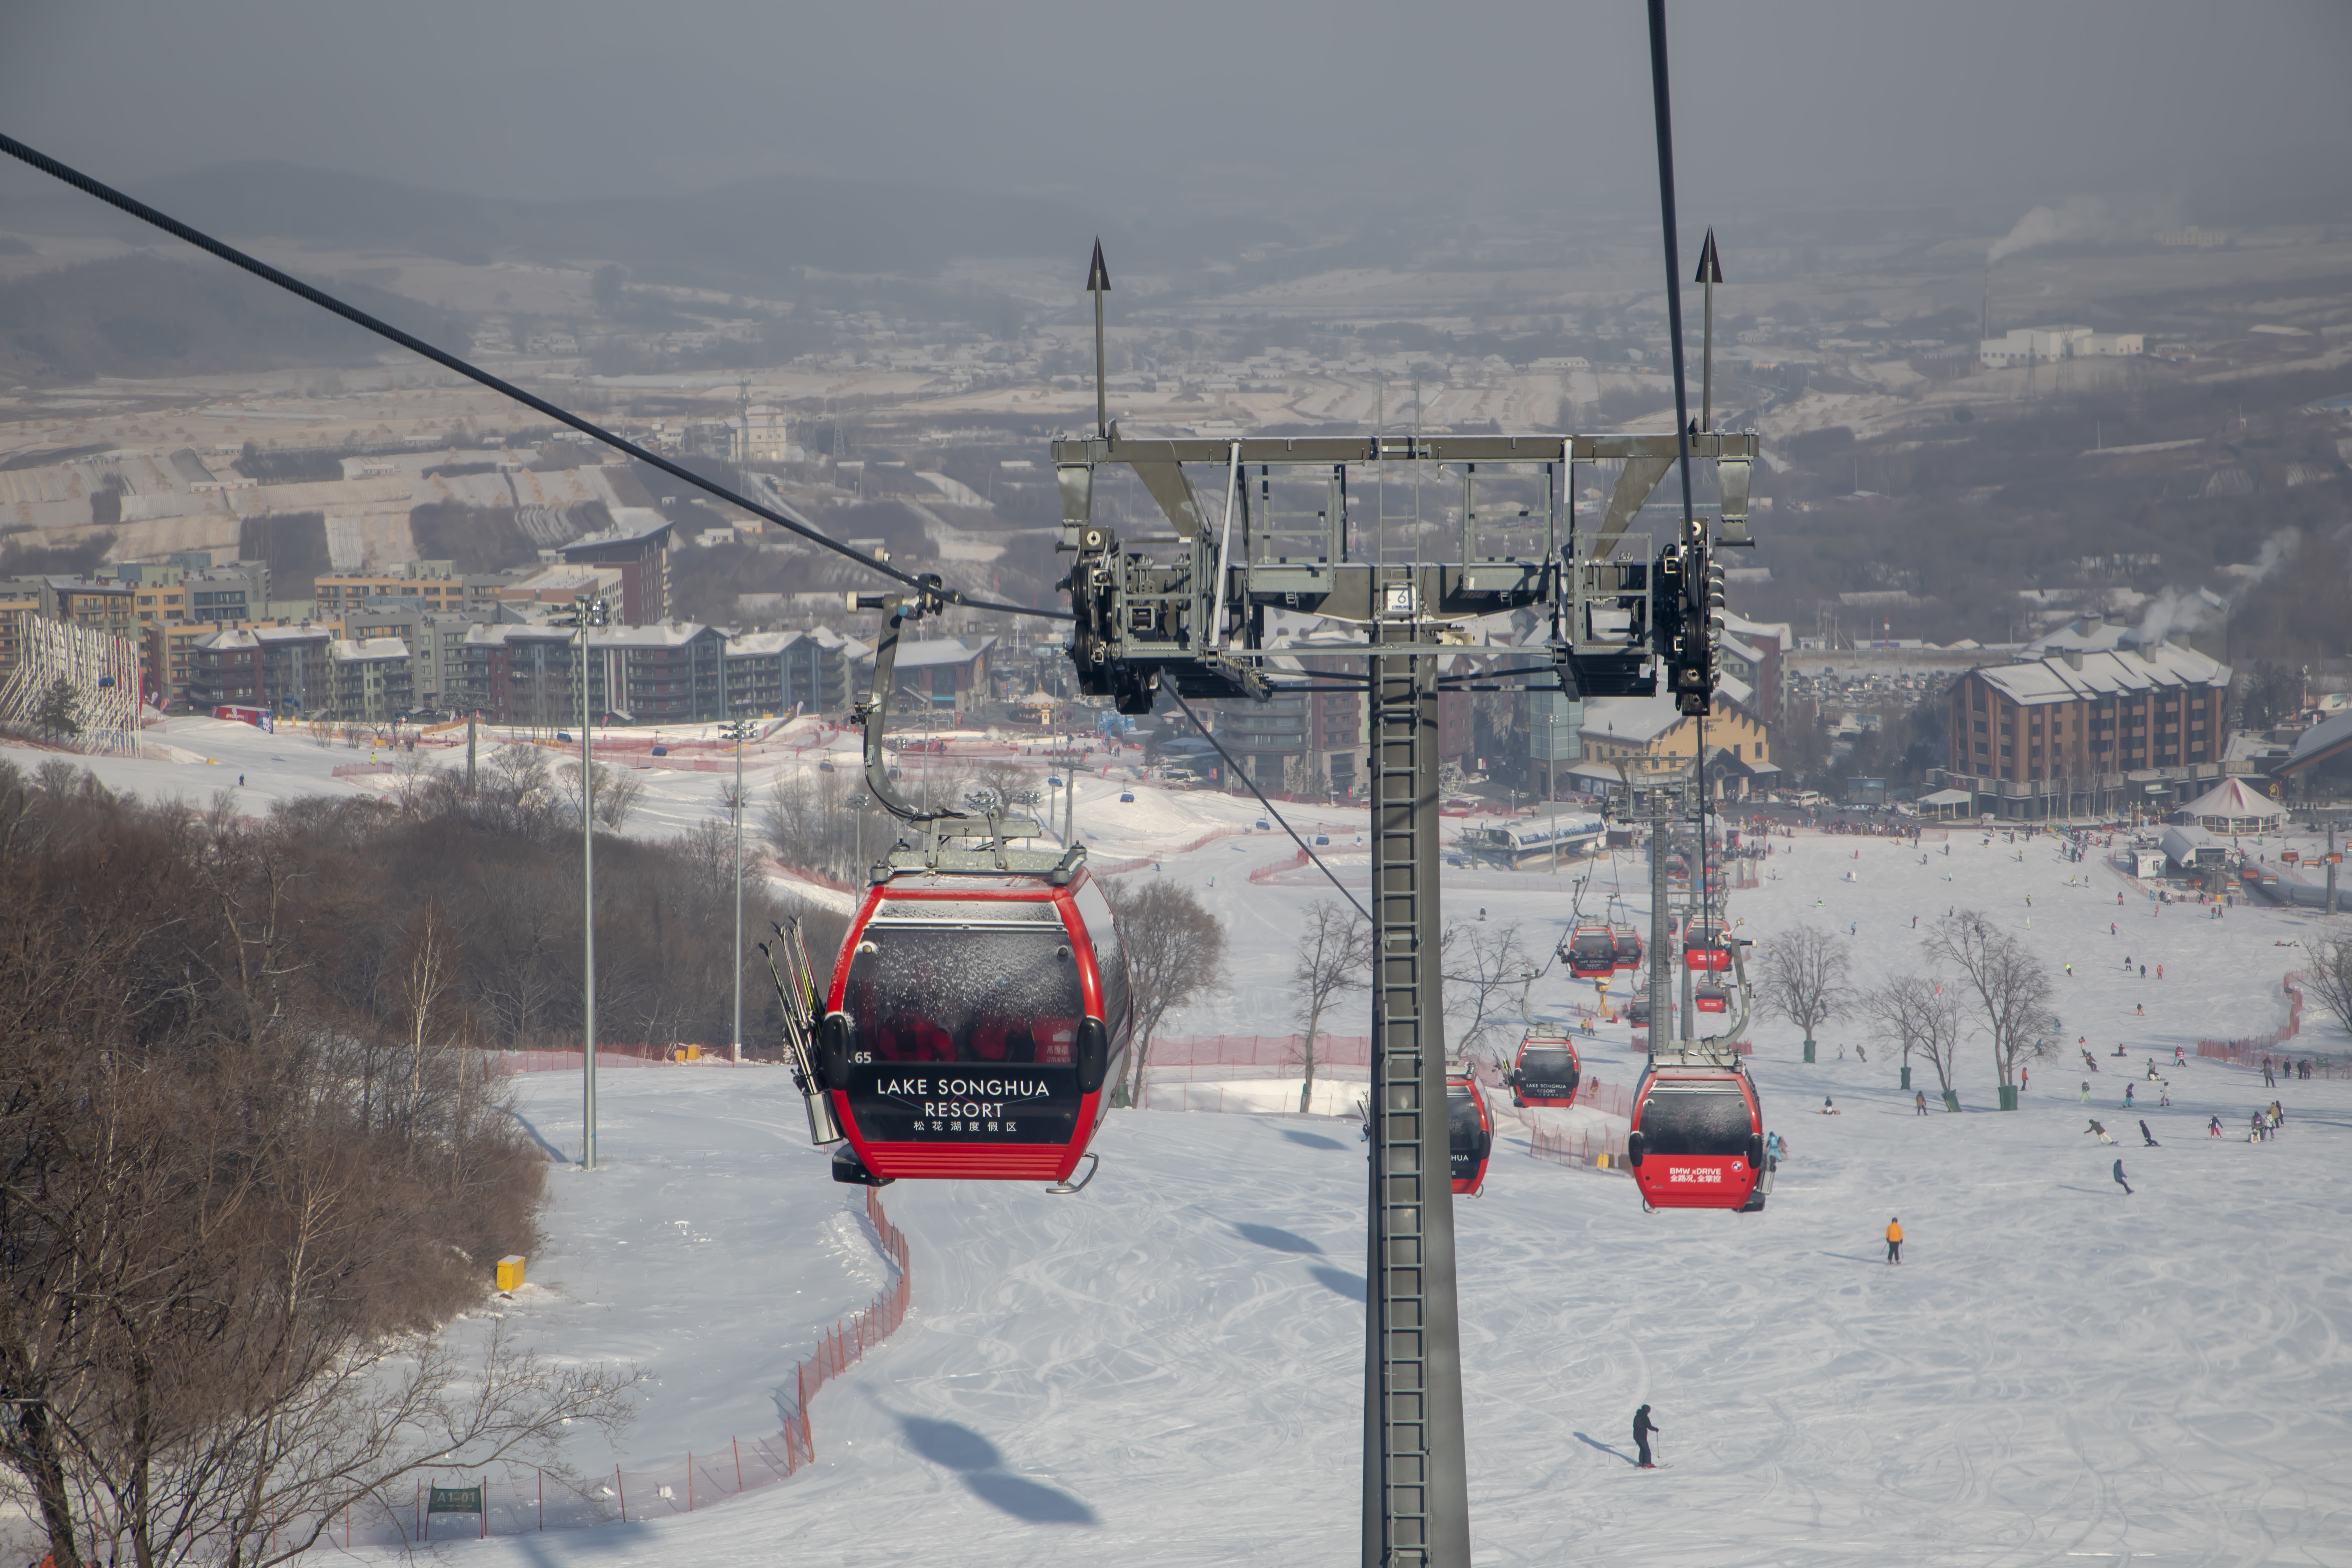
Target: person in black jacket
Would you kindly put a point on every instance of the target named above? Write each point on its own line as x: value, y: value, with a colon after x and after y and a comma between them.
x: 1642, y: 1428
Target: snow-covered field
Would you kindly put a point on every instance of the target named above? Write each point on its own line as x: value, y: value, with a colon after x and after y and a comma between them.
x: 1167, y: 1369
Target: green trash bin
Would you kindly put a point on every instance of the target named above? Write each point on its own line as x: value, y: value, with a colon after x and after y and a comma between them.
x: 1952, y: 1099
x: 2009, y: 1097
x: 1809, y: 1050
x: 1906, y: 1078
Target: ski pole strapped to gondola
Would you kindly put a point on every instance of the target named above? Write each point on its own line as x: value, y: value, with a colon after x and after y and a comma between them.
x: 977, y: 1019
x: 1547, y: 1072
x: 1470, y: 1130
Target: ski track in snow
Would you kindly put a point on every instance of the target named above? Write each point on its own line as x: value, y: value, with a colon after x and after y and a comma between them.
x: 1169, y: 1368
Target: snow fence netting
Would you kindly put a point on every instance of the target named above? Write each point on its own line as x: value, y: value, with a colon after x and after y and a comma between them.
x: 521, y: 1499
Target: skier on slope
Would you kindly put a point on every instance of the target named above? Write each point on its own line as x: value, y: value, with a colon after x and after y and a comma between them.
x: 2119, y: 1179
x: 2150, y: 1137
x: 1642, y: 1428
x: 1894, y: 1240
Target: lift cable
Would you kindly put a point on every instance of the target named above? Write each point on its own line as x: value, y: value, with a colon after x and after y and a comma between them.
x: 1304, y: 848
x: 1664, y: 109
x: 360, y: 317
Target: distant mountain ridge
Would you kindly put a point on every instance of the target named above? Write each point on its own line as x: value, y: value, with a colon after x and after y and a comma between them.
x: 747, y: 234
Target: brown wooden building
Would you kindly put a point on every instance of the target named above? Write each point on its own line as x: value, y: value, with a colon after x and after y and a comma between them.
x: 2081, y: 731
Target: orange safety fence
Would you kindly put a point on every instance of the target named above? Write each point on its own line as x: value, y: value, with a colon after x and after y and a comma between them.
x: 516, y: 1498
x: 1274, y: 868
x: 2248, y: 1050
x: 1273, y: 1051
x: 1594, y: 1147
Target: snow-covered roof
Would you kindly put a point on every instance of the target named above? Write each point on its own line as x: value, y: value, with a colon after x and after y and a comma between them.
x: 630, y: 523
x: 1754, y: 631
x: 757, y: 645
x: 2319, y: 743
x: 1632, y: 719
x: 941, y: 650
x: 348, y: 649
x: 498, y: 634
x: 663, y: 634
x: 2150, y: 668
x: 1946, y: 797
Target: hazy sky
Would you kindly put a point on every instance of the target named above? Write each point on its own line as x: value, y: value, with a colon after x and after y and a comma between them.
x: 1989, y: 104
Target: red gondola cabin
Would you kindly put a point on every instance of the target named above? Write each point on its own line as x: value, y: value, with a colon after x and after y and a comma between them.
x: 1592, y: 952
x: 1470, y: 1132
x: 1705, y: 946
x: 1709, y: 997
x: 1547, y: 1072
x: 1625, y: 944
x: 974, y: 1026
x: 1697, y: 1139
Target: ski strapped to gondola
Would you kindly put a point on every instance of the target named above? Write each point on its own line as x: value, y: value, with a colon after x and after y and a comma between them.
x: 799, y: 1000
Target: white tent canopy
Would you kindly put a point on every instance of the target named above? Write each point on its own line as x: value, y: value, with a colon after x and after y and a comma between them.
x: 2231, y: 804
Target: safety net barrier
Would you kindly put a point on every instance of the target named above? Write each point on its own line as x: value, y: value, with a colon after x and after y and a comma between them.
x: 516, y: 1500
x: 1270, y: 1051
x: 622, y: 1054
x: 1273, y: 868
x: 2248, y: 1050
x: 1641, y: 1041
x: 1577, y: 1146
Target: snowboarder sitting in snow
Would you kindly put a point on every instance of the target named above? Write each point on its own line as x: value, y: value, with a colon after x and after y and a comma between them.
x: 2150, y: 1137
x: 1828, y: 1107
x: 1642, y: 1428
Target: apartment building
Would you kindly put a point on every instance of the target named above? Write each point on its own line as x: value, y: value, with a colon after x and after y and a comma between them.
x: 2087, y: 727
x: 433, y: 584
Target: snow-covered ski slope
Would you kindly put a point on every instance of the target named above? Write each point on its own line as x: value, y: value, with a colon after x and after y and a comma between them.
x: 1167, y: 1369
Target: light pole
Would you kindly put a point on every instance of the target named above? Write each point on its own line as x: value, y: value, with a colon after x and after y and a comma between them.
x: 587, y: 611
x: 739, y: 732
x: 1551, y: 793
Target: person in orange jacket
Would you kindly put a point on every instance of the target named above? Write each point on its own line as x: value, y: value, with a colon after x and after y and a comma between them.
x: 1894, y: 1241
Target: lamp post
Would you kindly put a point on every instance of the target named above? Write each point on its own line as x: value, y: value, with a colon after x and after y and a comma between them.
x: 739, y: 732
x: 587, y: 611
x: 1551, y: 790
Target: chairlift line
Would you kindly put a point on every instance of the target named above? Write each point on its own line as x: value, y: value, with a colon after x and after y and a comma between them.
x: 471, y: 372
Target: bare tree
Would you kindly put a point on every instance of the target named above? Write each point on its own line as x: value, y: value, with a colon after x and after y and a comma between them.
x: 1921, y: 1014
x: 617, y: 793
x: 1002, y: 785
x: 1175, y: 955
x: 1802, y: 977
x: 2011, y: 987
x: 2329, y: 978
x: 1335, y: 955
x: 1482, y: 963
